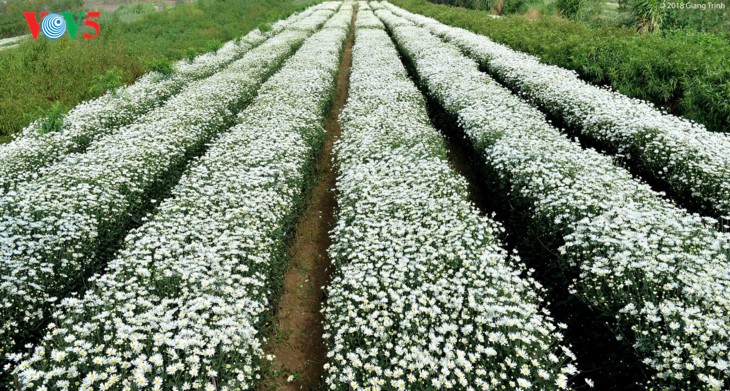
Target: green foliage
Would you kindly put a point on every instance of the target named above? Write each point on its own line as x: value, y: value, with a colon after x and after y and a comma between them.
x: 161, y: 65
x: 704, y: 16
x: 515, y: 6
x: 213, y: 45
x: 499, y: 7
x: 686, y: 72
x: 579, y: 9
x: 266, y: 27
x: 649, y: 14
x: 109, y: 81
x: 190, y: 54
x: 12, y: 22
x: 570, y: 8
x: 52, y: 118
x: 38, y: 74
x: 128, y: 13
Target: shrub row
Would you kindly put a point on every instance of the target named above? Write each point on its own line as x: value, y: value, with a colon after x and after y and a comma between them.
x: 658, y: 271
x: 184, y: 304
x: 694, y: 162
x: 423, y: 296
x: 53, y: 231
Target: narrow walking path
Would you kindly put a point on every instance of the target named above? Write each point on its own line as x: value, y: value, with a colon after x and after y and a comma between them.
x: 297, y: 339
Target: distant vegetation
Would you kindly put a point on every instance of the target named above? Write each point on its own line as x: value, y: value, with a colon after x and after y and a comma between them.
x: 643, y: 15
x: 44, y: 75
x: 683, y: 70
x: 11, y: 19
x: 131, y: 12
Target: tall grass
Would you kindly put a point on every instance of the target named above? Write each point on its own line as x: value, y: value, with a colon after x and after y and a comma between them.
x: 12, y: 22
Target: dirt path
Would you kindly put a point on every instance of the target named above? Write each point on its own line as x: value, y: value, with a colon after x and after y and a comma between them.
x: 297, y: 342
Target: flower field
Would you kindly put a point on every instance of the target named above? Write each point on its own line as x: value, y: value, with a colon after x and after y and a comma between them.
x: 410, y: 251
x: 145, y: 240
x: 34, y: 150
x: 694, y: 162
x: 52, y: 243
x: 183, y: 312
x: 659, y: 270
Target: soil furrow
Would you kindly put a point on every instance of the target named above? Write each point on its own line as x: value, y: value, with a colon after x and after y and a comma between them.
x: 297, y: 344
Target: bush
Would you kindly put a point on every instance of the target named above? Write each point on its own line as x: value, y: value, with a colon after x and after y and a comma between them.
x: 648, y: 14
x: 570, y: 8
x: 161, y: 65
x: 53, y: 117
x: 685, y: 72
x: 109, y: 81
x: 499, y: 7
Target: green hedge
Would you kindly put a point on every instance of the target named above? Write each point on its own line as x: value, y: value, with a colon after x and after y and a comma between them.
x: 42, y: 75
x: 686, y: 72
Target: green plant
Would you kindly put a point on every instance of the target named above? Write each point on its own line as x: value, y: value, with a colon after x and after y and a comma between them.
x: 190, y: 54
x: 265, y: 27
x: 570, y: 8
x: 213, y: 45
x: 161, y: 65
x: 109, y: 81
x: 52, y: 118
x: 649, y: 14
x: 499, y: 7
x: 515, y: 6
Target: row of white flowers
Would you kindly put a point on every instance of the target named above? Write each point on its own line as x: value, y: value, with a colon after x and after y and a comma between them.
x: 54, y: 229
x: 367, y: 19
x: 423, y: 296
x: 184, y: 304
x: 692, y: 160
x: 280, y: 25
x: 661, y: 272
x: 32, y: 150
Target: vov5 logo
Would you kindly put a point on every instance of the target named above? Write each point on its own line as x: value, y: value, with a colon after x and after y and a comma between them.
x: 54, y: 26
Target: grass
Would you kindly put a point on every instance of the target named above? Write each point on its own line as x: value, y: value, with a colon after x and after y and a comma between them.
x: 12, y: 22
x: 43, y: 75
x: 130, y: 13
